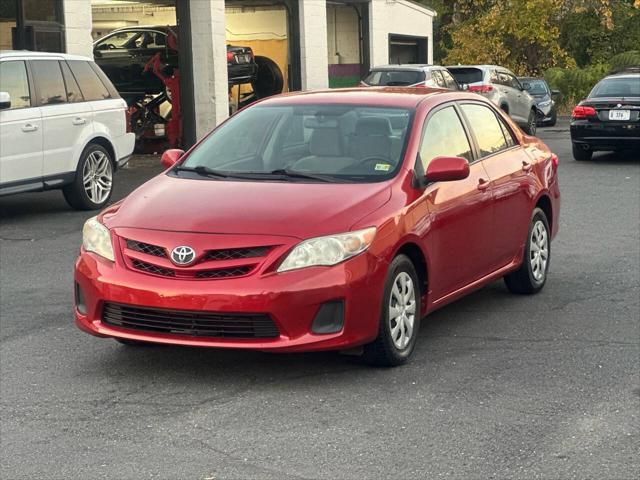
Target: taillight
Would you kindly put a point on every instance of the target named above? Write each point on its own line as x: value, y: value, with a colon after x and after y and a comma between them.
x: 581, y: 111
x: 480, y: 88
x: 555, y: 161
x: 230, y: 57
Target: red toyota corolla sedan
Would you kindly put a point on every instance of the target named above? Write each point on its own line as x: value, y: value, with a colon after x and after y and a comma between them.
x: 323, y: 221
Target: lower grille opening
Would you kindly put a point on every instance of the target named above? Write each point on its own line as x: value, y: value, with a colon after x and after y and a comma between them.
x: 186, y: 322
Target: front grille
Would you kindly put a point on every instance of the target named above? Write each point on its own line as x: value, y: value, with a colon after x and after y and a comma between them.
x: 184, y: 322
x: 147, y: 248
x: 225, y: 272
x: 236, y: 253
x: 154, y: 269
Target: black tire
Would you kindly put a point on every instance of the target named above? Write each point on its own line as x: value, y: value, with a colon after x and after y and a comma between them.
x: 532, y: 123
x: 581, y: 154
x: 524, y: 280
x: 553, y: 121
x: 269, y: 80
x: 75, y: 193
x: 383, y: 351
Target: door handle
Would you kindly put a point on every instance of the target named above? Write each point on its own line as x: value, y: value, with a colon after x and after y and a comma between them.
x: 526, y: 166
x: 79, y: 121
x: 29, y: 127
x: 483, y: 184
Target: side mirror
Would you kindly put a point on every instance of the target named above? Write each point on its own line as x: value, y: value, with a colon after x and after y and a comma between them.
x: 171, y: 157
x: 447, y: 169
x: 5, y: 100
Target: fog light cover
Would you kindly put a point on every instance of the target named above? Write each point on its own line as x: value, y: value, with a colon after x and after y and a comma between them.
x: 329, y: 319
x: 81, y: 306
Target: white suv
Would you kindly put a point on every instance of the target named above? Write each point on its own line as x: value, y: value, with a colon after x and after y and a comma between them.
x: 62, y: 125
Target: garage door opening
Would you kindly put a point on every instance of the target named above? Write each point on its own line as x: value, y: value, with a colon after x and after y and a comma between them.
x: 404, y: 49
x: 346, y: 43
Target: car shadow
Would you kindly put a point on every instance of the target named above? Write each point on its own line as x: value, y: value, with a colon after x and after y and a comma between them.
x: 612, y: 158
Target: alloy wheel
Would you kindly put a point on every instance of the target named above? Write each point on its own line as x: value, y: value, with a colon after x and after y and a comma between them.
x: 402, y: 310
x: 539, y: 251
x: 97, y: 177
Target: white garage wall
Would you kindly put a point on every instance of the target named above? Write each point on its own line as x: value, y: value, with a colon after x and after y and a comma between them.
x: 342, y: 35
x: 401, y: 17
x: 77, y: 30
x: 256, y: 24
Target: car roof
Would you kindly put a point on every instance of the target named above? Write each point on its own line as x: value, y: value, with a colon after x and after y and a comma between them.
x: 401, y: 97
x: 482, y: 67
x: 623, y: 75
x: 406, y: 66
x: 27, y: 54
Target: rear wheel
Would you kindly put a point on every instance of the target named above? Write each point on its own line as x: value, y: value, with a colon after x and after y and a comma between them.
x: 93, y: 185
x: 399, y: 318
x: 530, y: 129
x: 532, y: 274
x: 581, y: 154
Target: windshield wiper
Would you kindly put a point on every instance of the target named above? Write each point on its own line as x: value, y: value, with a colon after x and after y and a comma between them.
x: 307, y: 176
x: 202, y: 171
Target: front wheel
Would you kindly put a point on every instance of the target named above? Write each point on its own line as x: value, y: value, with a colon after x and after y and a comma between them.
x: 93, y: 185
x: 530, y: 129
x: 532, y: 274
x: 399, y: 318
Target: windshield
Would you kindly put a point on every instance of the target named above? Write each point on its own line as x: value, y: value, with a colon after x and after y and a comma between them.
x: 381, y: 78
x: 340, y: 142
x: 535, y: 87
x: 617, y: 87
x: 466, y: 75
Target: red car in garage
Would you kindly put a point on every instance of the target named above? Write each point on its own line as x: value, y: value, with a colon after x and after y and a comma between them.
x: 323, y: 221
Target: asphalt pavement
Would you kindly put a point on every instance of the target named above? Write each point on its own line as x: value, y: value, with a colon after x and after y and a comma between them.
x: 501, y: 386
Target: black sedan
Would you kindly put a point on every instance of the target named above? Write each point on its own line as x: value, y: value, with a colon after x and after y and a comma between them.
x: 543, y: 98
x: 609, y: 118
x: 123, y: 54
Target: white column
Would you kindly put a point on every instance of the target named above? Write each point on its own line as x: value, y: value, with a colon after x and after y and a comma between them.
x: 313, y: 44
x: 77, y: 27
x: 379, y: 32
x: 209, y: 50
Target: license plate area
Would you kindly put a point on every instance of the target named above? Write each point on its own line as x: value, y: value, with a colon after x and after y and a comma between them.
x: 619, y: 115
x: 243, y: 58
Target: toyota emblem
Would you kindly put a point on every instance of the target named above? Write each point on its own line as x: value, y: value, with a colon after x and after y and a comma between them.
x: 183, y: 255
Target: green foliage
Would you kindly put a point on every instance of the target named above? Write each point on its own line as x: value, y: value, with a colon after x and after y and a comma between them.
x: 626, y: 59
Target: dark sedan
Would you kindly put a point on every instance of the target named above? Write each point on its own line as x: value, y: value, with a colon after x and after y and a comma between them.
x: 609, y: 118
x: 543, y: 98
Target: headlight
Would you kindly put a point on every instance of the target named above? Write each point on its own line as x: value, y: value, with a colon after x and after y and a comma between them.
x: 546, y: 103
x: 328, y: 250
x: 97, y: 239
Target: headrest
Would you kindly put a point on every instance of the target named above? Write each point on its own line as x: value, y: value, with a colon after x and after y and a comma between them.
x: 325, y: 142
x: 373, y: 126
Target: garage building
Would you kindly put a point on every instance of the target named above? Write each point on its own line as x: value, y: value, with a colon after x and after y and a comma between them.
x: 317, y: 43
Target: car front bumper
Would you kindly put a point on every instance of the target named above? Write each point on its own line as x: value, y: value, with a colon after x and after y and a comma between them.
x: 291, y: 299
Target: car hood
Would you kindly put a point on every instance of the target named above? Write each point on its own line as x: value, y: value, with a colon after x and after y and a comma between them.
x: 296, y: 209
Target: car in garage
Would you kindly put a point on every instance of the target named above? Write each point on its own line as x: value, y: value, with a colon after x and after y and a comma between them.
x: 503, y: 88
x: 544, y: 99
x: 124, y: 53
x: 62, y: 126
x: 340, y: 220
x: 410, y: 76
x: 609, y: 118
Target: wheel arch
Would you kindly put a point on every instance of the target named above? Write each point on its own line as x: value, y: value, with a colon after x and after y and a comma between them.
x: 413, y: 251
x: 544, y: 204
x: 107, y: 145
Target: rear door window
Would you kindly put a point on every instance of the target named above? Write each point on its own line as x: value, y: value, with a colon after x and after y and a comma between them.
x: 444, y: 135
x: 49, y: 82
x: 437, y: 78
x: 486, y: 127
x: 449, y: 80
x: 390, y: 78
x: 91, y: 86
x: 13, y: 80
x: 73, y: 90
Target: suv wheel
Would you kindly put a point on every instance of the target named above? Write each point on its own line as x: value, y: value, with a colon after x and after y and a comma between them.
x: 399, y: 318
x: 581, y: 154
x: 530, y: 129
x: 93, y: 185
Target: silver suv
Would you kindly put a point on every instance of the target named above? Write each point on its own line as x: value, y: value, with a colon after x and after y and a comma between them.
x: 409, y: 76
x: 503, y: 88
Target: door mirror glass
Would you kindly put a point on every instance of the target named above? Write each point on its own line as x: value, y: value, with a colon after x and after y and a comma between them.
x: 171, y: 157
x: 447, y: 169
x: 5, y: 100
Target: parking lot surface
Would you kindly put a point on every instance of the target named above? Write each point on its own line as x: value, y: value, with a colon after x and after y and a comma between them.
x: 501, y: 386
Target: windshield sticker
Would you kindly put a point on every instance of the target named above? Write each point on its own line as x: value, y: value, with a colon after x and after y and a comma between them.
x: 382, y: 167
